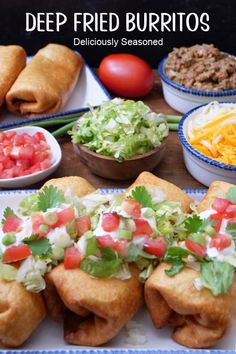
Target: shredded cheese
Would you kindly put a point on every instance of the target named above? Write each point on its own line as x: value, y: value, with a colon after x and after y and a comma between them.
x: 213, y: 132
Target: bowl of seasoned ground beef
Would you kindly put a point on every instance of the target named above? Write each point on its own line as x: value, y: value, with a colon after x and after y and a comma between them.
x: 192, y: 76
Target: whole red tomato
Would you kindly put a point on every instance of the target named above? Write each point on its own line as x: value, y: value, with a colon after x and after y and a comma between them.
x: 126, y: 75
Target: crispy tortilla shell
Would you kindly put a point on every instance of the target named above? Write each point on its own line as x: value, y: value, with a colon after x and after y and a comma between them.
x: 12, y: 62
x: 199, y: 318
x: 169, y: 190
x: 96, y: 309
x: 20, y: 313
x: 46, y: 83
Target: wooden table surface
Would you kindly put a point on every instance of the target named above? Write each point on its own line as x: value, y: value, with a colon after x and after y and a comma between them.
x: 171, y: 168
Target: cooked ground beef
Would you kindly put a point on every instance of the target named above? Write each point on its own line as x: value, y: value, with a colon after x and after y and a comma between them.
x: 202, y: 67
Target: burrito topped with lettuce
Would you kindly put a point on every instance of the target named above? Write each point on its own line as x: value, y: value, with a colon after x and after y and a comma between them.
x: 90, y: 254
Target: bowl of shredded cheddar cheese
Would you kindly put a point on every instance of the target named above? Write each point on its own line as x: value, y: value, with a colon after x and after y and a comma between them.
x: 208, y: 137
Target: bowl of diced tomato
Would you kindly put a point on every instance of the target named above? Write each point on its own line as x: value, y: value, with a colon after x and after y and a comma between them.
x: 27, y: 155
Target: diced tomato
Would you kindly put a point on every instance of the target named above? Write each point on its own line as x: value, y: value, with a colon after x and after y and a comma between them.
x: 26, y: 152
x: 218, y: 219
x: 39, y: 136
x: 156, y: 246
x: 83, y: 224
x: 7, y: 173
x: 45, y: 164
x: 16, y: 253
x: 221, y: 241
x: 120, y: 246
x: 196, y: 248
x: 72, y: 258
x: 11, y: 224
x: 142, y: 228
x: 110, y: 221
x: 132, y: 207
x: 107, y: 241
x: 37, y: 222
x: 230, y: 212
x: 9, y: 135
x: 220, y: 204
x: 22, y: 154
x: 19, y: 140
x: 65, y: 216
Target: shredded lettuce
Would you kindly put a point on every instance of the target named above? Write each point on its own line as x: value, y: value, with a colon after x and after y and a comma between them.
x: 7, y: 272
x: 31, y: 273
x: 121, y: 129
x: 29, y: 205
x: 217, y: 276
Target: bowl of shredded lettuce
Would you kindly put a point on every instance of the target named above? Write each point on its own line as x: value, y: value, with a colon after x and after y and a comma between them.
x: 120, y: 139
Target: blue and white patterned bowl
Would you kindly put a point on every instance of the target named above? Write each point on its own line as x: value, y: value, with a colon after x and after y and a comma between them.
x: 201, y: 167
x: 184, y: 99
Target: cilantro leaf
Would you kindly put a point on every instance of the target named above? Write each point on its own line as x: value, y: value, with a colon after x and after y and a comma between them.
x: 231, y: 194
x: 175, y: 253
x: 39, y: 247
x: 231, y: 229
x: 176, y: 268
x: 217, y: 276
x: 193, y: 223
x: 141, y: 195
x: 30, y: 238
x: 50, y: 197
x: 7, y: 212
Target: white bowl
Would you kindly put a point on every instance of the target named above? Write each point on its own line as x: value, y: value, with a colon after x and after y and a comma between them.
x: 56, y: 156
x: 183, y: 99
x: 201, y: 167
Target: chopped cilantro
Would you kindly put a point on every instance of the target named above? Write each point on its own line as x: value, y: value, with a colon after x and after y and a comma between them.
x: 141, y: 195
x: 193, y: 223
x: 231, y: 194
x: 175, y: 256
x: 50, y: 197
x: 7, y: 212
x: 176, y: 268
x: 30, y: 238
x: 40, y: 247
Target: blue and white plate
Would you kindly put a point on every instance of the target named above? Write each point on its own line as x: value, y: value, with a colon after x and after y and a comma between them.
x: 88, y: 91
x: 48, y: 338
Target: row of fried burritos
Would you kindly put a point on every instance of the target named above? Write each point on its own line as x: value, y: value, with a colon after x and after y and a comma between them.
x: 95, y: 309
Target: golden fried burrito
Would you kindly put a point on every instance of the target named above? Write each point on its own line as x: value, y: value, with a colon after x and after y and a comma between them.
x: 194, y: 290
x: 12, y: 62
x: 20, y: 313
x: 46, y: 83
x: 95, y: 310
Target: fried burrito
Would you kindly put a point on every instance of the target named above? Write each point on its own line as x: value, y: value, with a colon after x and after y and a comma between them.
x: 196, y: 294
x: 12, y: 62
x: 162, y: 190
x: 46, y: 83
x: 95, y: 310
x: 20, y: 313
